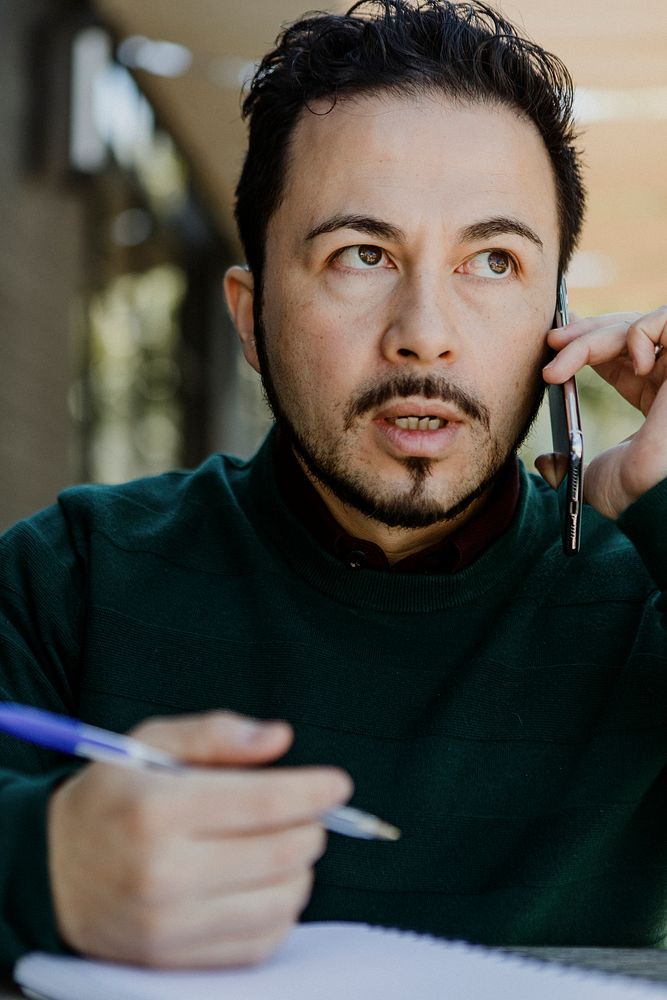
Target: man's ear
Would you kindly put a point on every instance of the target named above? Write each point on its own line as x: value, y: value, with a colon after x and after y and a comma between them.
x: 239, y: 293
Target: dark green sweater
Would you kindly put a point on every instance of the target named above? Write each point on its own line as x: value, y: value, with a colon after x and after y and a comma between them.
x: 511, y: 718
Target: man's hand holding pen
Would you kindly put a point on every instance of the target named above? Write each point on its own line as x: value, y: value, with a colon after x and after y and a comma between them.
x: 210, y: 869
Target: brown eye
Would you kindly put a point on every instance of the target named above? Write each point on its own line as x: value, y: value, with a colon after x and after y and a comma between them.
x: 362, y: 257
x: 498, y: 262
x: 492, y: 265
x: 369, y: 255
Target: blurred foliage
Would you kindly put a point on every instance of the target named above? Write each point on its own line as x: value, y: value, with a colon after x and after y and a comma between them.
x: 134, y: 376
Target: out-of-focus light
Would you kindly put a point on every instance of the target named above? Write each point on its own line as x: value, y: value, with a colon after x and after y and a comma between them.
x: 91, y: 54
x: 592, y: 104
x: 591, y: 269
x: 153, y: 56
x: 231, y: 71
x: 131, y: 227
x: 123, y: 116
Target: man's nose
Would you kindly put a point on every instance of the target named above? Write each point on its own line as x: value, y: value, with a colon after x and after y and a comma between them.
x: 421, y: 325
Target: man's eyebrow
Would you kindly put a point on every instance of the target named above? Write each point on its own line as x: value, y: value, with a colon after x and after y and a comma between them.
x: 370, y: 226
x: 498, y: 226
x: 365, y: 224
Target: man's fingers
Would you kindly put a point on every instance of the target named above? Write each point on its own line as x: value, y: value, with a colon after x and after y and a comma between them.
x: 219, y: 952
x: 253, y: 860
x: 219, y: 802
x: 251, y: 801
x: 588, y: 349
x: 205, y: 868
x: 561, y: 336
x: 250, y: 912
x: 600, y: 339
x: 228, y: 929
x: 646, y: 336
x: 211, y: 738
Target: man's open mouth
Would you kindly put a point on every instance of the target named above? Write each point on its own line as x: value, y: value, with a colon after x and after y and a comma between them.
x: 417, y: 423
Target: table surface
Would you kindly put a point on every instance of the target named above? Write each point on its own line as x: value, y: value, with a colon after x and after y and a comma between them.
x: 646, y: 963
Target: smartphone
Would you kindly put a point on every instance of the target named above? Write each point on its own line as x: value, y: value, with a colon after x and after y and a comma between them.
x: 568, y: 444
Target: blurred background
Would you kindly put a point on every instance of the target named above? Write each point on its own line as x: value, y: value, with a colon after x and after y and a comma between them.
x: 120, y: 145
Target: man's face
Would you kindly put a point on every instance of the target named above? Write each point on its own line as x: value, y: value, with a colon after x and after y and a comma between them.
x: 410, y: 277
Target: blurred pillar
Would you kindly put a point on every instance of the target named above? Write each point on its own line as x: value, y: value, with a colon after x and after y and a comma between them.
x: 40, y: 267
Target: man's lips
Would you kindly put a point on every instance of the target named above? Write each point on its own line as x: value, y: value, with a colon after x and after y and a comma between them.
x: 421, y: 409
x: 418, y: 428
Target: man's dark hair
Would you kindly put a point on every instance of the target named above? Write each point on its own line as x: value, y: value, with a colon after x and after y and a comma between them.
x: 467, y: 51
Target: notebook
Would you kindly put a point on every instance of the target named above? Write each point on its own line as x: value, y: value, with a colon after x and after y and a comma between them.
x: 338, y: 961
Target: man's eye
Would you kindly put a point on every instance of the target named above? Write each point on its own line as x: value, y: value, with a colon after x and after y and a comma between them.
x: 491, y: 264
x: 361, y: 257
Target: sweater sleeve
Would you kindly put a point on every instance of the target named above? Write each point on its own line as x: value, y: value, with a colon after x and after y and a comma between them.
x: 40, y: 610
x: 28, y: 922
x: 644, y: 524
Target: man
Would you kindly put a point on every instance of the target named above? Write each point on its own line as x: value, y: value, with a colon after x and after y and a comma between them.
x: 382, y: 574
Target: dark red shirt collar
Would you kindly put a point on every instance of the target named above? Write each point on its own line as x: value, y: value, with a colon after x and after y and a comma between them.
x: 449, y: 555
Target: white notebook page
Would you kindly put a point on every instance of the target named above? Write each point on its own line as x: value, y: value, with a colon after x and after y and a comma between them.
x: 338, y: 961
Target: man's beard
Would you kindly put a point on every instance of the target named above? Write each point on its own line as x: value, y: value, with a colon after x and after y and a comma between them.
x: 411, y: 508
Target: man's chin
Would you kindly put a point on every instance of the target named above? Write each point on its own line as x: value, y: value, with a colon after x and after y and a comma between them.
x: 407, y: 505
x: 405, y: 513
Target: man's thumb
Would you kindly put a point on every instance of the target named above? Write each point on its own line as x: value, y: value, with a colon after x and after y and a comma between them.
x: 552, y: 468
x: 217, y: 738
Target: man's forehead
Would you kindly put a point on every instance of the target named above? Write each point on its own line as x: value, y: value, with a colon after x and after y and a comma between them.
x: 388, y: 123
x: 417, y: 153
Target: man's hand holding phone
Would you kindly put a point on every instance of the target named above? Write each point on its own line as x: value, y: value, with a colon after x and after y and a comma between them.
x: 627, y: 351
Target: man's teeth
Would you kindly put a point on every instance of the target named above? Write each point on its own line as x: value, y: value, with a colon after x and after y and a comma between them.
x: 419, y: 423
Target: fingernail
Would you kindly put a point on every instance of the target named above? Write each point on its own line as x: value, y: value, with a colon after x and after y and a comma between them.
x: 254, y: 730
x: 250, y: 730
x: 346, y: 786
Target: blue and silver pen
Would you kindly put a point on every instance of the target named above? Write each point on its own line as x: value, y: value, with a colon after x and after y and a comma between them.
x: 59, y: 732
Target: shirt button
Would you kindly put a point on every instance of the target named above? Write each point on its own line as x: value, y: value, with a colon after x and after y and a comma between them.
x: 356, y: 559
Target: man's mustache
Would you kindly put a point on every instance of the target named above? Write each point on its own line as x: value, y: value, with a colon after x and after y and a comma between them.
x: 410, y: 384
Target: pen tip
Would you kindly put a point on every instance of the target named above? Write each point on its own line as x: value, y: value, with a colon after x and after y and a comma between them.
x: 388, y: 832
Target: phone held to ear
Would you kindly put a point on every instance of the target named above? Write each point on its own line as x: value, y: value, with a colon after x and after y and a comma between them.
x: 568, y: 444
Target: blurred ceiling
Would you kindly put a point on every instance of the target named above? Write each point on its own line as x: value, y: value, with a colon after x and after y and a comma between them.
x: 609, y: 47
